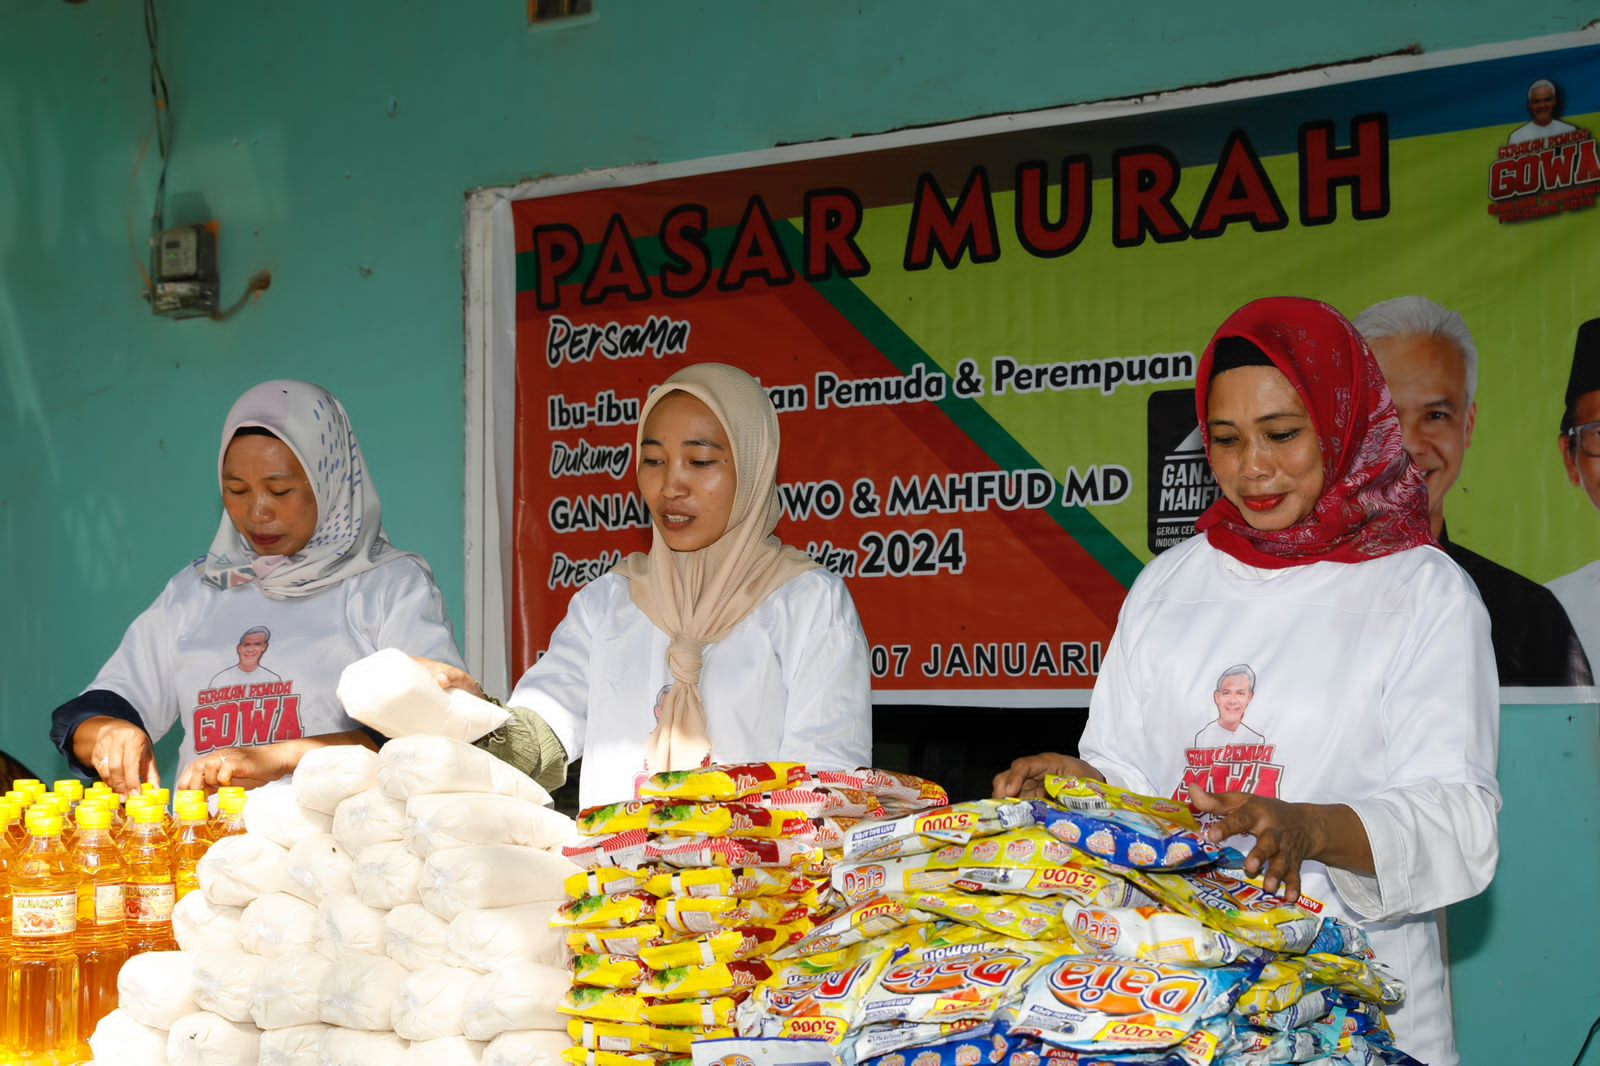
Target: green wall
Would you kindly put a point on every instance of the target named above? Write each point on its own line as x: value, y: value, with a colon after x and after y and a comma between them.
x: 334, y: 139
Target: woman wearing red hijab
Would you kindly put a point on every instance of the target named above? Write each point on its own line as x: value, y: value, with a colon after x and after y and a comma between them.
x: 1311, y: 668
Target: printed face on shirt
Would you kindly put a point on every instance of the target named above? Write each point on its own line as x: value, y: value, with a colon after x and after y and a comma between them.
x: 1231, y: 698
x: 1264, y: 450
x: 1542, y: 105
x: 686, y: 473
x: 267, y: 495
x: 251, y: 648
x: 1427, y: 377
x: 1583, y: 470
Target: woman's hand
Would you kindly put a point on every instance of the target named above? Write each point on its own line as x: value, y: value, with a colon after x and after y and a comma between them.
x: 249, y: 767
x: 1286, y: 835
x: 119, y: 751
x: 450, y: 677
x: 1025, y: 778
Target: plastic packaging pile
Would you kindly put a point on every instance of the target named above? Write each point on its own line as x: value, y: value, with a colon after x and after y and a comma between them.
x: 387, y: 910
x: 1097, y: 928
x: 689, y: 892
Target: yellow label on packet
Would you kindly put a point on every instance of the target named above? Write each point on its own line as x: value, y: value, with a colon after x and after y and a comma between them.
x: 1087, y: 794
x: 717, y: 1012
x: 608, y: 971
x: 605, y: 880
x: 609, y: 1036
x: 629, y: 940
x: 602, y: 1004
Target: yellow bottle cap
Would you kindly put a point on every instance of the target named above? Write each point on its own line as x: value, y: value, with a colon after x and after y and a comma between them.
x: 146, y: 813
x: 230, y: 802
x: 32, y: 786
x: 162, y: 796
x: 43, y: 823
x: 186, y: 795
x: 193, y: 811
x: 51, y: 802
x: 17, y: 796
x: 92, y: 816
x: 10, y: 811
x: 70, y: 787
x: 147, y: 787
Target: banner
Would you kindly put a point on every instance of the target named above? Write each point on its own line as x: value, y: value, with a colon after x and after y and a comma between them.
x: 981, y: 341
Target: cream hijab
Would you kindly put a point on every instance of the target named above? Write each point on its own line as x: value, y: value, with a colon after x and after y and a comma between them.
x: 697, y: 597
x: 349, y: 539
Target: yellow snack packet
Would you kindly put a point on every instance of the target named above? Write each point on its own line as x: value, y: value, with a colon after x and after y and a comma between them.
x: 729, y: 820
x: 871, y: 918
x: 807, y: 999
x: 1011, y: 916
x: 1087, y: 794
x: 675, y: 1041
x: 614, y: 818
x: 717, y: 1012
x: 1233, y: 906
x: 606, y: 912
x: 582, y: 1056
x: 609, y: 1036
x: 602, y: 1004
x: 629, y: 940
x: 605, y: 880
x: 724, y: 945
x: 702, y: 982
x: 745, y: 883
x: 709, y: 914
x: 609, y: 971
x: 723, y: 782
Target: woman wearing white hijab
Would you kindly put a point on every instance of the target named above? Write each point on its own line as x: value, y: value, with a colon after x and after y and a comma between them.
x: 720, y: 644
x: 245, y: 645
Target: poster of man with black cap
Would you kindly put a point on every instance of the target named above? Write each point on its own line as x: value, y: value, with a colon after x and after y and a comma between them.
x: 1579, y: 591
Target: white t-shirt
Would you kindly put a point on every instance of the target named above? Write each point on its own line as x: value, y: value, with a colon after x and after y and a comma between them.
x: 1375, y: 688
x: 789, y: 682
x: 1579, y: 593
x: 179, y: 661
x: 1532, y: 131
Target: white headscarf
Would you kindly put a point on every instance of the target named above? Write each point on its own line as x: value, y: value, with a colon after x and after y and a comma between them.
x: 698, y: 597
x: 349, y: 538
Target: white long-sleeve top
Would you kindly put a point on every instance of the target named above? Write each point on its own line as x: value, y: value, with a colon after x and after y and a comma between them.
x: 180, y: 660
x: 1375, y: 687
x: 790, y: 682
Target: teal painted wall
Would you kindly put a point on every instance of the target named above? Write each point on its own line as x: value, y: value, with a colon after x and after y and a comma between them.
x: 335, y: 142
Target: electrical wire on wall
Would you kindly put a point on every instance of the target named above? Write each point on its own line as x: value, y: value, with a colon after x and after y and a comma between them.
x: 182, y: 280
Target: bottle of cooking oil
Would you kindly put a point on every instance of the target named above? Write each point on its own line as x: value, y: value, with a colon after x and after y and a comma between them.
x: 192, y: 841
x: 10, y: 812
x: 44, y: 921
x: 147, y: 853
x: 69, y: 787
x: 230, y: 813
x: 102, y: 944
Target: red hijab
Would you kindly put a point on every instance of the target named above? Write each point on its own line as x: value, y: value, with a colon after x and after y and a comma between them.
x: 1374, y: 502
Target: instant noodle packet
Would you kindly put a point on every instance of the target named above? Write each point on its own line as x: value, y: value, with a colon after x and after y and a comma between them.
x: 871, y: 918
x: 1150, y: 934
x: 830, y: 832
x: 856, y: 881
x: 614, y: 818
x: 629, y: 940
x: 724, y: 945
x: 606, y: 912
x: 1129, y: 839
x: 627, y: 850
x: 825, y: 802
x: 1104, y: 1004
x: 609, y: 1036
x: 930, y: 830
x: 604, y: 880
x: 1199, y: 1049
x: 898, y: 792
x: 1011, y: 916
x: 695, y: 915
x: 875, y: 1041
x: 935, y: 984
x: 602, y: 1004
x: 704, y: 982
x: 732, y: 852
x: 723, y: 782
x: 609, y: 971
x: 717, y: 1012
x: 582, y: 1056
x: 1317, y: 1007
x: 679, y: 1041
x: 730, y: 820
x: 738, y: 883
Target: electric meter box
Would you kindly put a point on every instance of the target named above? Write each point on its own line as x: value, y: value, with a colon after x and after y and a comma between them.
x: 185, y: 267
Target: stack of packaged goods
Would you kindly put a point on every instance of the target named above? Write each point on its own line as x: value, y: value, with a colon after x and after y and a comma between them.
x: 1100, y: 927
x: 377, y: 910
x: 83, y: 886
x: 690, y: 891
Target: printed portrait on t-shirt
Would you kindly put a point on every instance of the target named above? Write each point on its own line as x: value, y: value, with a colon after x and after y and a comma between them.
x: 1229, y: 754
x: 246, y: 703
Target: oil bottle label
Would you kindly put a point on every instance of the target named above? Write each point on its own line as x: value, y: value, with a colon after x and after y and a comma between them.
x: 110, y: 905
x: 151, y: 904
x: 44, y: 916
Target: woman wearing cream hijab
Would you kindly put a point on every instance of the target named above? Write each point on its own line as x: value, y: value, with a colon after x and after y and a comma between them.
x: 719, y: 644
